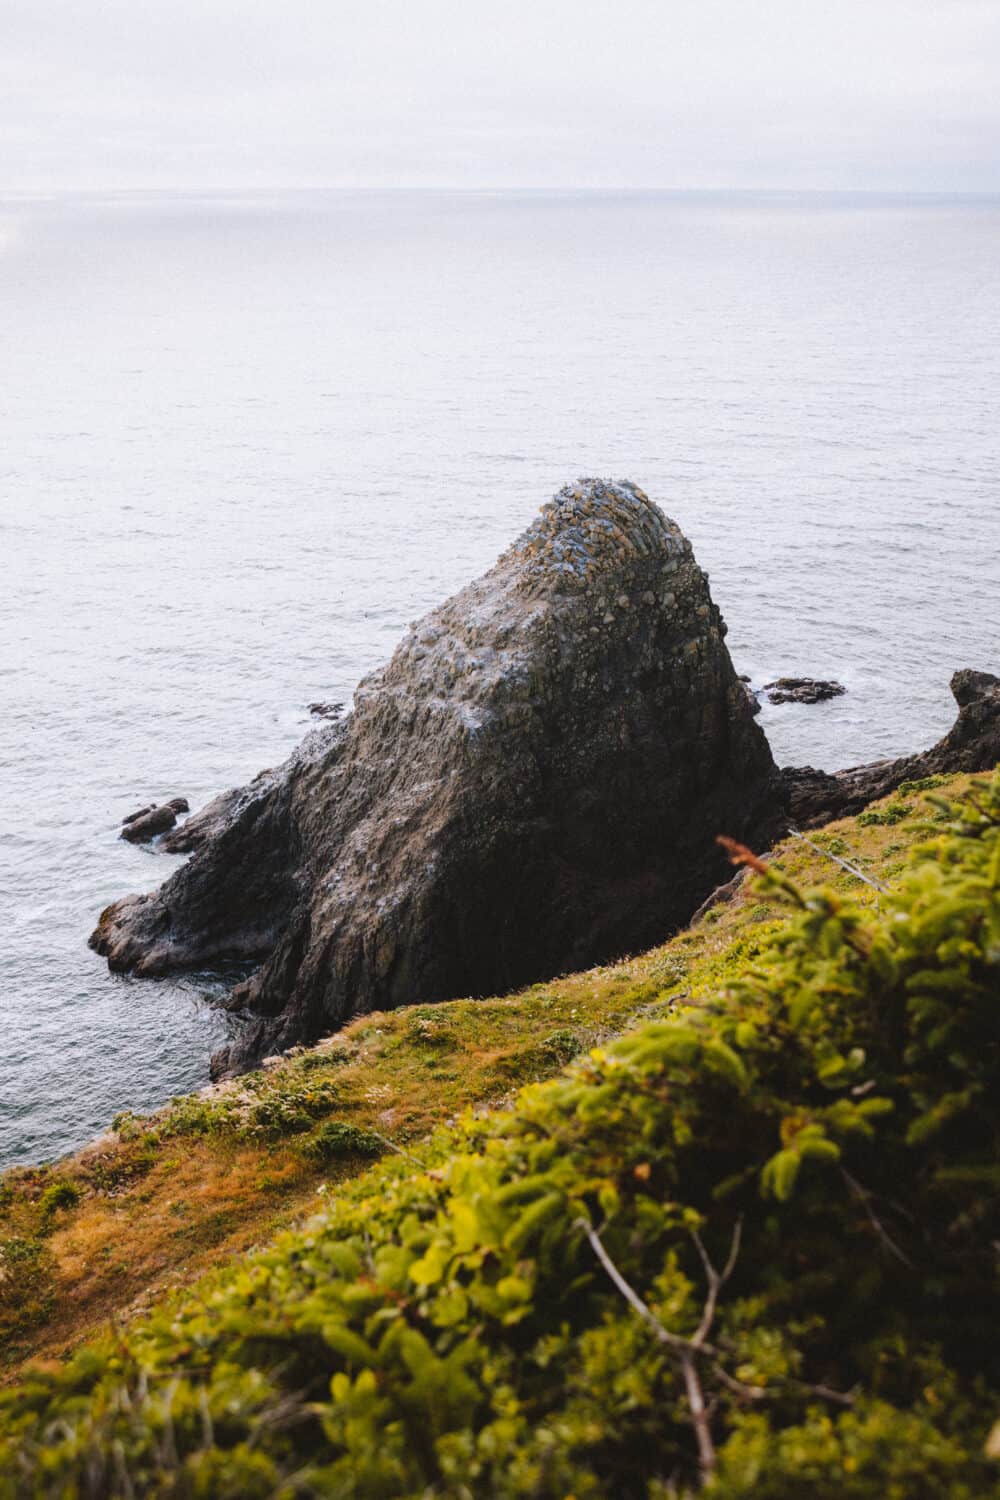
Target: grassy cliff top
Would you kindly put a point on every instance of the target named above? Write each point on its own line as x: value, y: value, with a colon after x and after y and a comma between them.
x: 93, y: 1239
x: 748, y: 1244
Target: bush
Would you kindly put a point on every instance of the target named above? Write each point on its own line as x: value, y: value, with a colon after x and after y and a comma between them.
x: 25, y: 1287
x: 889, y: 815
x: 336, y: 1141
x: 58, y: 1195
x: 262, y: 1106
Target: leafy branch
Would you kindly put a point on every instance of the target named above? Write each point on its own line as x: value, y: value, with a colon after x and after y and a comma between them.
x: 691, y: 1351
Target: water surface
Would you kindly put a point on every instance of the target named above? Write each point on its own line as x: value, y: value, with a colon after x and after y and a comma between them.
x: 245, y: 440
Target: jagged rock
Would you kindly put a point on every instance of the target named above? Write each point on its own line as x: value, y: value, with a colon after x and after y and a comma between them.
x: 139, y: 827
x: 139, y: 813
x: 802, y: 690
x: 972, y: 744
x: 721, y: 896
x: 532, y: 784
x: 143, y: 826
x: 751, y: 692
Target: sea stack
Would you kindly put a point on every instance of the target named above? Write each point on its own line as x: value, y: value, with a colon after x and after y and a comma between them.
x: 532, y: 784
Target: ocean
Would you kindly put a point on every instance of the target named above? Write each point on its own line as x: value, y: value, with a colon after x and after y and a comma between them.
x: 245, y: 439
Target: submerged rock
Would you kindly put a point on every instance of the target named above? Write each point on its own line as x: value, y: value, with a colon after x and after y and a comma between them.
x: 139, y: 827
x: 143, y: 826
x: 139, y: 813
x: 532, y: 784
x: 972, y: 744
x: 802, y: 690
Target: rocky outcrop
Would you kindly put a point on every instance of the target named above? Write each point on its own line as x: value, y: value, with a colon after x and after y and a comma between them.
x: 752, y: 699
x: 802, y: 690
x: 139, y: 827
x: 532, y: 784
x: 972, y: 744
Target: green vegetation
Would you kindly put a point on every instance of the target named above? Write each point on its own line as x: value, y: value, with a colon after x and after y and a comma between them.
x: 336, y: 1140
x: 749, y: 1247
x: 57, y: 1195
x: 887, y: 813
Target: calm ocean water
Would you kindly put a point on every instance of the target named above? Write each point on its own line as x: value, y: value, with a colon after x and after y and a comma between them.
x: 245, y: 440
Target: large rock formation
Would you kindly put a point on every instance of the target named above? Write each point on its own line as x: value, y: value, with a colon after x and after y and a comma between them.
x: 531, y: 785
x: 972, y: 744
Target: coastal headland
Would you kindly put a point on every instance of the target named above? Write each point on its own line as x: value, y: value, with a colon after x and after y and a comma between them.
x: 719, y: 1213
x: 532, y: 784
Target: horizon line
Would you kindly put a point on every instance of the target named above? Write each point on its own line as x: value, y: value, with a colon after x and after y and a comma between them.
x: 190, y: 189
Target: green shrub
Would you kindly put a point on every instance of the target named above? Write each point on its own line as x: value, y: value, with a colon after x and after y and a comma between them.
x: 889, y: 815
x: 127, y: 1125
x: 427, y: 1031
x: 25, y: 1287
x: 539, y: 1059
x: 109, y: 1172
x: 794, y: 1180
x: 59, y: 1195
x: 336, y: 1141
x: 261, y: 1106
x: 921, y: 784
x: 326, y: 1057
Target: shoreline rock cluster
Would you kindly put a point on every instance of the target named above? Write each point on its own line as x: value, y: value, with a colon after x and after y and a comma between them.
x: 972, y: 744
x: 802, y: 690
x: 532, y: 785
x: 791, y: 690
x: 143, y: 825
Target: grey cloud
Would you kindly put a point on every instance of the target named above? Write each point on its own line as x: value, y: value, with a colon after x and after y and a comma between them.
x: 687, y: 93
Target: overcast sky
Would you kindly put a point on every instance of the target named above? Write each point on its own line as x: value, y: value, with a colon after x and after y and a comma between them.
x: 878, y: 94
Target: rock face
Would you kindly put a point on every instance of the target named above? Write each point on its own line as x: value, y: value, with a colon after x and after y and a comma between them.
x: 972, y: 744
x: 532, y: 784
x: 752, y: 698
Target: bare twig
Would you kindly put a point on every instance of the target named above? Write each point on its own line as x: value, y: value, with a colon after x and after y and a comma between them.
x: 121, y: 1469
x: 631, y: 1296
x: 845, y: 864
x: 699, y: 1416
x: 689, y: 1351
x: 825, y: 1392
x: 865, y: 1199
x: 762, y: 1392
x: 716, y: 1280
x: 400, y: 1150
x: 740, y: 1387
x: 207, y: 1425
